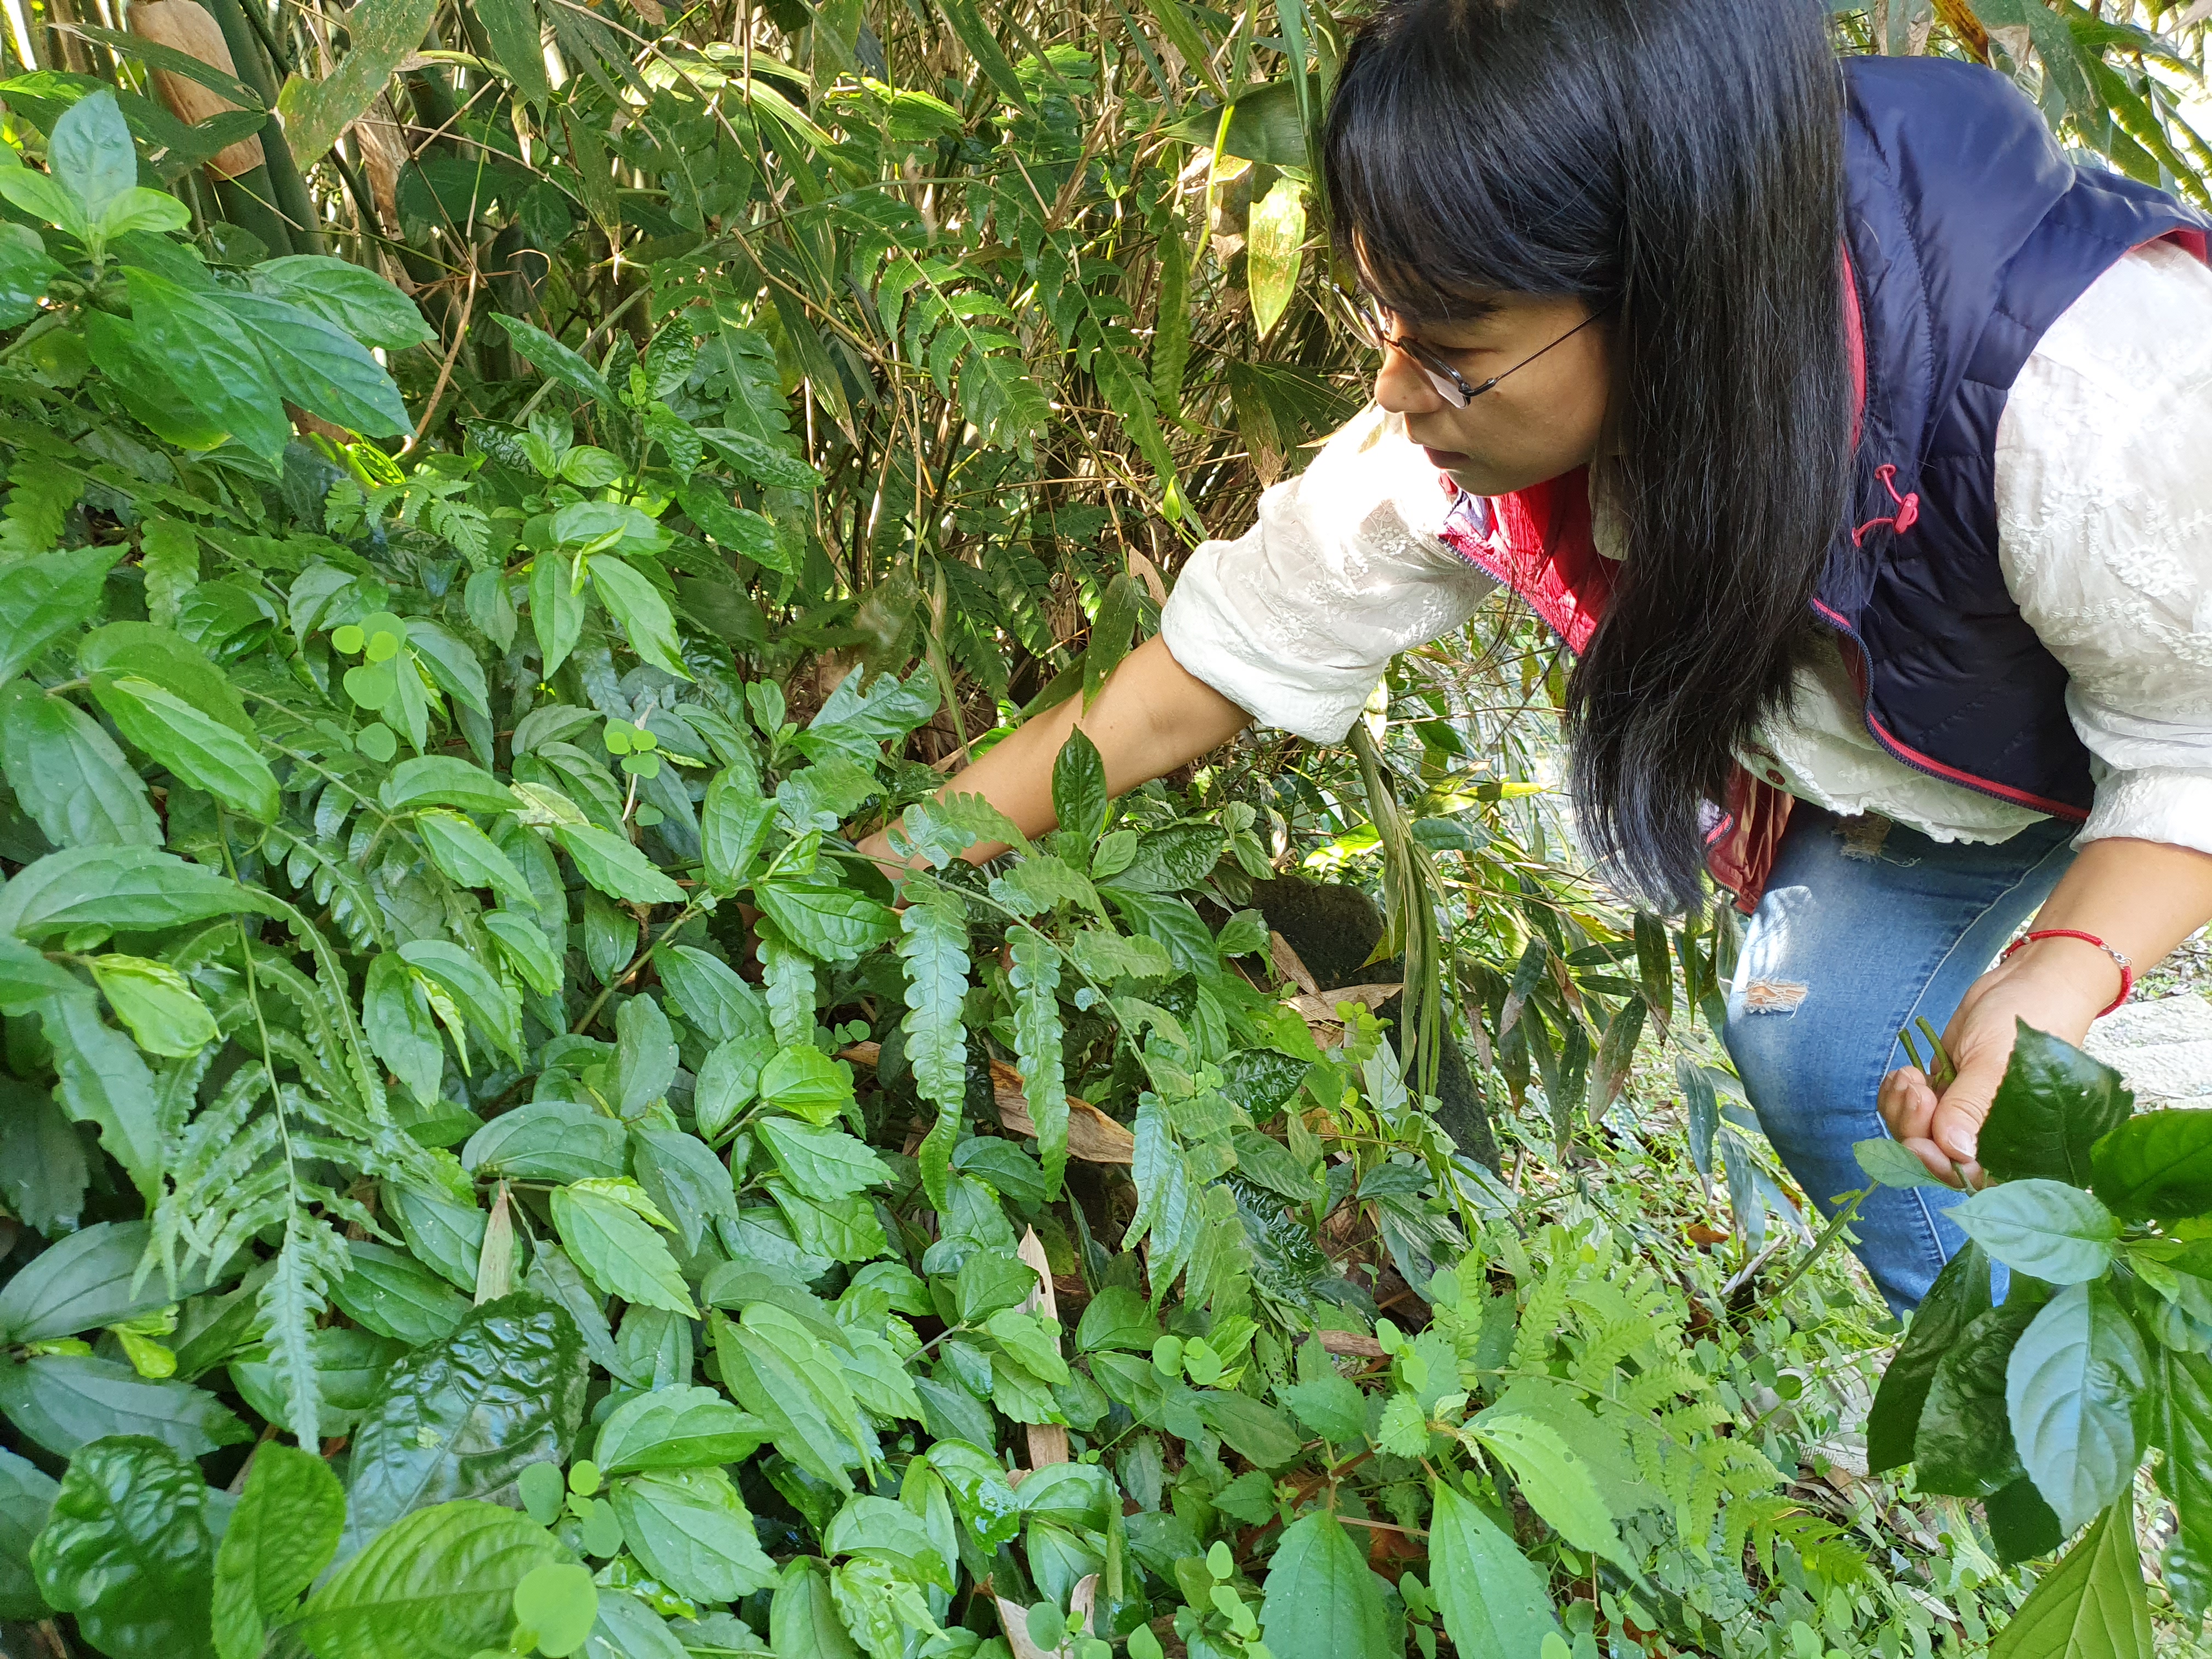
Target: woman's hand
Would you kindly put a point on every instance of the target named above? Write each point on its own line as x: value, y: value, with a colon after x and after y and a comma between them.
x: 2055, y: 985
x: 2141, y: 898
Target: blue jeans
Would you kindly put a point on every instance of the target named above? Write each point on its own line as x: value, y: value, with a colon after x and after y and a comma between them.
x: 1866, y: 926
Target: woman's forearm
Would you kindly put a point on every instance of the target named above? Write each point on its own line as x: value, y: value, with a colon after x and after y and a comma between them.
x: 1149, y: 718
x: 2141, y: 897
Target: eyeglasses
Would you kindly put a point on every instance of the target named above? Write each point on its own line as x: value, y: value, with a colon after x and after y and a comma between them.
x: 1451, y: 386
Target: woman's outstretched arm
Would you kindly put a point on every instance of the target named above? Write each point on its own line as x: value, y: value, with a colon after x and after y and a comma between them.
x: 1151, y: 717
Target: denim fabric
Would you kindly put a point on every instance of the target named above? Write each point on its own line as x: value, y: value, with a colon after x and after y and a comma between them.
x: 1866, y: 926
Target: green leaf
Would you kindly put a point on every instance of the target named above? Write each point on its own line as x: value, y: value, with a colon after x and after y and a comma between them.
x: 209, y: 357
x: 802, y: 1621
x: 1322, y: 1600
x: 283, y: 1531
x: 1034, y: 978
x: 615, y: 867
x: 1079, y: 801
x: 322, y: 368
x: 443, y: 781
x: 733, y: 826
x: 821, y: 1163
x: 445, y: 1235
x: 127, y: 888
x: 880, y: 1529
x: 395, y: 1295
x: 749, y: 534
x: 440, y: 1582
x: 689, y: 1529
x: 512, y: 28
x: 489, y: 1004
x: 523, y: 943
x: 1112, y: 631
x: 645, y: 1056
x: 27, y: 1496
x: 461, y: 1418
x: 2053, y: 1105
x: 555, y: 361
x: 470, y: 856
x: 2182, y: 1427
x: 314, y: 112
x: 1963, y: 1444
x: 794, y: 1386
x: 618, y: 1250
x: 557, y: 609
x: 1891, y: 1164
x: 806, y: 1083
x: 710, y: 995
x: 2058, y: 1233
x: 128, y: 1550
x: 558, y: 1601
x: 636, y: 604
x: 1959, y: 1295
x: 1492, y: 1600
x: 1555, y: 1481
x: 396, y: 1016
x: 2070, y: 1391
x: 2090, y: 1606
x: 759, y: 460
x: 105, y: 1081
x: 69, y: 776
x: 43, y: 597
x: 85, y: 1281
x: 198, y: 748
x: 2022, y: 1527
x: 90, y: 152
x: 675, y: 1428
x: 1274, y: 250
x: 1172, y: 859
x: 156, y: 1002
x: 2156, y: 1166
x: 347, y: 296
x: 64, y: 1401
x: 823, y: 919
x: 548, y: 1140
x: 1257, y: 1431
x: 933, y: 945
x: 46, y: 199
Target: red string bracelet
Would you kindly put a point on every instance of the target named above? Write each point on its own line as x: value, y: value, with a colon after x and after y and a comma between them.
x: 2127, y: 970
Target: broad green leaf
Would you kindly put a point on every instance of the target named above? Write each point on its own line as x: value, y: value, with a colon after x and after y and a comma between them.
x: 1173, y: 859
x: 1959, y: 1295
x: 933, y: 945
x: 209, y: 357
x: 1554, y: 1479
x: 795, y: 1386
x: 710, y: 995
x: 2091, y: 1605
x: 1330, y: 1405
x: 1891, y: 1164
x: 156, y: 1002
x: 1079, y: 799
x: 90, y: 152
x: 2058, y: 1233
x: 2071, y: 1386
x: 443, y: 781
x: 2157, y: 1165
x: 470, y: 856
x: 129, y: 1551
x: 743, y: 532
x: 443, y: 1235
x: 636, y: 604
x: 25, y: 269
x: 806, y: 1083
x: 85, y: 1281
x: 198, y: 748
x: 880, y: 1529
x: 314, y: 112
x: 104, y: 1080
x: 1964, y: 1446
x: 2053, y: 1105
x: 523, y: 943
x: 26, y: 1496
x: 618, y: 1250
x: 323, y: 369
x: 396, y: 1016
x: 490, y: 1007
x: 645, y: 1056
x: 733, y: 825
x: 1117, y: 1317
x: 1493, y: 1602
x: 339, y: 1366
x: 42, y: 598
x: 63, y: 1401
x: 1257, y: 1431
x: 1321, y: 1602
x: 69, y: 776
x: 395, y: 1296
x: 555, y: 361
x: 283, y: 1531
x: 557, y: 1601
x: 675, y: 1429
x: 461, y: 1418
x: 440, y: 1581
x: 821, y: 1163
x: 557, y: 609
x: 347, y: 296
x: 135, y: 889
x: 2181, y: 1426
x: 689, y: 1529
x: 548, y: 1140
x: 615, y: 867
x: 1112, y: 631
x: 684, y: 1179
x: 802, y: 1621
x: 758, y: 460
x: 825, y: 919
x: 1274, y: 250
x: 162, y: 655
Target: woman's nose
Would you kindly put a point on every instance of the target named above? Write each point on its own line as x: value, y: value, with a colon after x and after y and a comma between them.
x: 1402, y: 387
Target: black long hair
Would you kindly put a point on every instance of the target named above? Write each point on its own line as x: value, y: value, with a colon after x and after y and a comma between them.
x: 1681, y: 162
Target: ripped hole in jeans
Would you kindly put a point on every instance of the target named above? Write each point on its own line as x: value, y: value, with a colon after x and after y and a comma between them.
x: 1772, y: 996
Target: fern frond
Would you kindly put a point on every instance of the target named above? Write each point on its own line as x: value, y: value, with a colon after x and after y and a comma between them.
x: 289, y: 1303
x: 1036, y: 981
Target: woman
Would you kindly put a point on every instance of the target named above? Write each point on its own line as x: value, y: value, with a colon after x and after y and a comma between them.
x: 1854, y: 440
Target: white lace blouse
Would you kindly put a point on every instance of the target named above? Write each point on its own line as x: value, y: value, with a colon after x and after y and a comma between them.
x: 2104, y: 497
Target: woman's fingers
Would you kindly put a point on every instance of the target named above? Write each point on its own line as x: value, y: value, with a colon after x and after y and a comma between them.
x: 1908, y: 1103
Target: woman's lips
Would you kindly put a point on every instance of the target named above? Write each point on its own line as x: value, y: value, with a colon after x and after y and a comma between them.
x: 1443, y: 459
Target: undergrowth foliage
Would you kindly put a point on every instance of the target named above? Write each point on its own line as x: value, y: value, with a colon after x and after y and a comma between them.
x: 488, y: 1169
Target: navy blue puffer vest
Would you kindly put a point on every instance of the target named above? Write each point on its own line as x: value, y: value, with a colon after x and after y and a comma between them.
x: 1969, y: 232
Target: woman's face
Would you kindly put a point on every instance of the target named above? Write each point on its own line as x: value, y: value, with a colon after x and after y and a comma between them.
x: 1544, y: 418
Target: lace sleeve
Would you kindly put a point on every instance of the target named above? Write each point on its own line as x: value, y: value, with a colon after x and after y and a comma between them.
x: 2104, y: 531
x: 1296, y: 620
